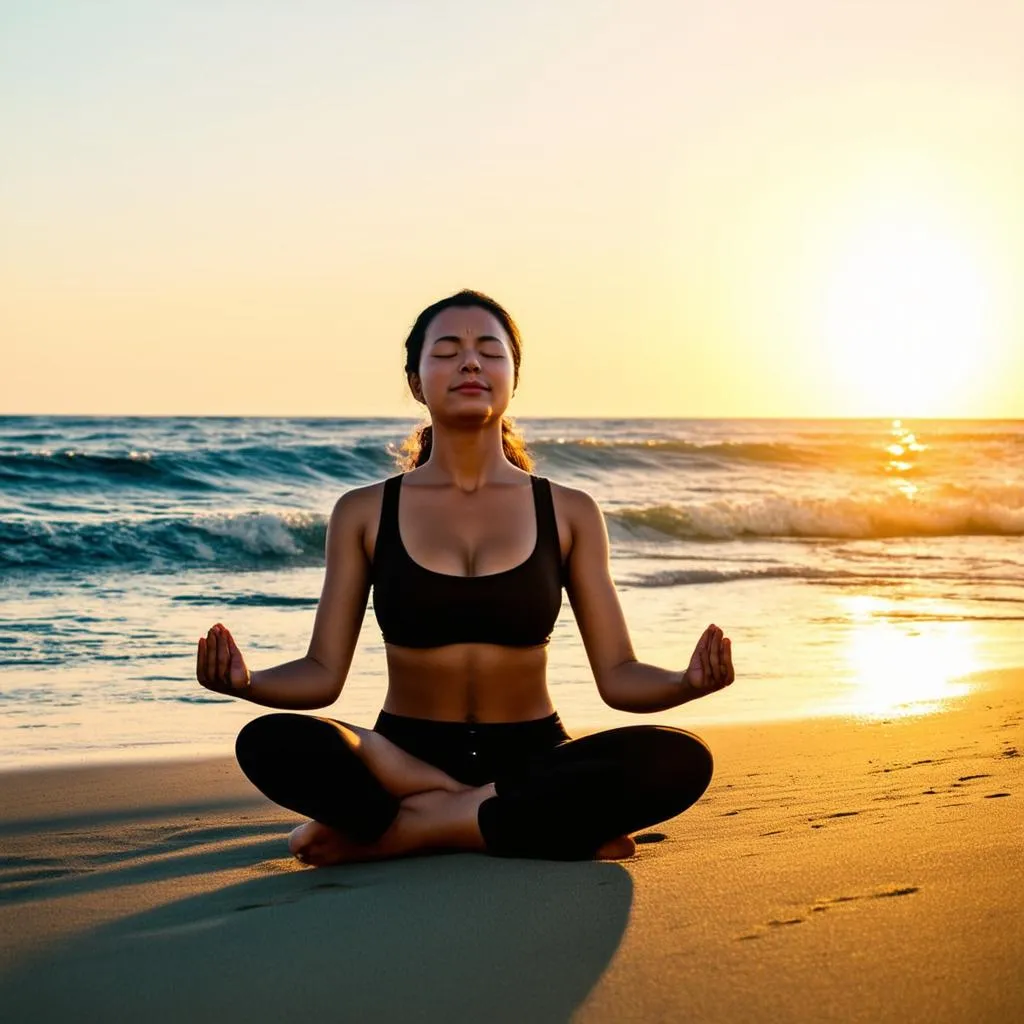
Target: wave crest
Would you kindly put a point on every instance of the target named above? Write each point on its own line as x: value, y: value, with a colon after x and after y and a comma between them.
x: 249, y: 540
x: 838, y: 518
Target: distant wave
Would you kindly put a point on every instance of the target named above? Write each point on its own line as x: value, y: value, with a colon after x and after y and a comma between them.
x: 688, y: 577
x: 616, y: 454
x: 248, y: 600
x: 830, y: 577
x: 859, y: 456
x: 843, y: 518
x: 194, y: 470
x: 241, y: 541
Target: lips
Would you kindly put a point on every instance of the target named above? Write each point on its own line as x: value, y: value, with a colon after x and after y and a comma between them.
x: 470, y: 387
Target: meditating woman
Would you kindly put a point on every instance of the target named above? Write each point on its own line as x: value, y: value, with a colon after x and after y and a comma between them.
x: 467, y: 553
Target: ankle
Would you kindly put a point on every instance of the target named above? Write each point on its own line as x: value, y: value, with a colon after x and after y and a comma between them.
x: 442, y: 819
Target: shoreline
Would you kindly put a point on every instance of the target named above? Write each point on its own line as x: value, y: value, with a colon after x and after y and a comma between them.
x: 836, y: 869
x: 979, y: 682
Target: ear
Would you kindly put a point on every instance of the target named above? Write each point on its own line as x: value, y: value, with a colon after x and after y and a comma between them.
x: 416, y: 387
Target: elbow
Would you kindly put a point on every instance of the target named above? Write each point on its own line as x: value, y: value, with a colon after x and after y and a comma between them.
x: 329, y: 685
x: 612, y: 697
x: 331, y: 695
x: 617, y: 704
x: 611, y: 689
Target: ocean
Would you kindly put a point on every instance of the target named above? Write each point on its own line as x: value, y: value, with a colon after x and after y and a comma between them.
x: 861, y: 567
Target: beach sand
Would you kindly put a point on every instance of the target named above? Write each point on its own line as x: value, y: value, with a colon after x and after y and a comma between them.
x: 835, y: 870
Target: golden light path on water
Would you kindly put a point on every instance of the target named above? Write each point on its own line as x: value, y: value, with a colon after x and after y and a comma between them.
x: 904, y: 449
x: 905, y: 668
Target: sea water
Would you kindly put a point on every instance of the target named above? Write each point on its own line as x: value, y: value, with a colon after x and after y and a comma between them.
x: 861, y: 567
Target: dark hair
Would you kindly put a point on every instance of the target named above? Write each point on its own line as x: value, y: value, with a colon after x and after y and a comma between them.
x: 415, y: 448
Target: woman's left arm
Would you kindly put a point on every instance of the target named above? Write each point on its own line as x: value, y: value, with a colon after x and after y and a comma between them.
x: 623, y: 682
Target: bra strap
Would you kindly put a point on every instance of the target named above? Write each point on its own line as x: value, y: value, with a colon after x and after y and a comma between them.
x: 547, y: 523
x: 387, y: 528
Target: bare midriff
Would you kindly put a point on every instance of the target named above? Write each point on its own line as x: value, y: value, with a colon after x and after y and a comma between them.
x: 468, y: 683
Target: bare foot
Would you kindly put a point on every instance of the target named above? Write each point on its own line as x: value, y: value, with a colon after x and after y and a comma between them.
x: 616, y: 849
x: 319, y: 845
x: 432, y: 820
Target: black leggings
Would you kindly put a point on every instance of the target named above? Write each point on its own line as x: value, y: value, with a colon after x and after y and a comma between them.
x: 557, y: 798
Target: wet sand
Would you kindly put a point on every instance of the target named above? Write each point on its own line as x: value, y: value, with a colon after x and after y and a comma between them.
x: 835, y: 870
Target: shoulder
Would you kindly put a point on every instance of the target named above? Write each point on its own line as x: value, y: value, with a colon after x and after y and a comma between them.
x: 575, y: 501
x: 578, y: 509
x: 359, y: 507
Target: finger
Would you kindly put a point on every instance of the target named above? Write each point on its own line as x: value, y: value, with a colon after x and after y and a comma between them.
x: 211, y: 657
x: 705, y: 661
x: 235, y: 650
x: 238, y: 673
x: 730, y: 672
x: 223, y: 656
x: 201, y: 660
x: 723, y: 665
x: 714, y: 655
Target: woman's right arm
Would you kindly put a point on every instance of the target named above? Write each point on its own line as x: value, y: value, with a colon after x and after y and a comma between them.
x: 316, y: 680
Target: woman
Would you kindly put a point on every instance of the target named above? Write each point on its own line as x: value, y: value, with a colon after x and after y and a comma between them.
x: 467, y: 553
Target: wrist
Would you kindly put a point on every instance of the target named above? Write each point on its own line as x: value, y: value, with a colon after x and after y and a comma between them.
x: 246, y: 691
x: 687, y: 689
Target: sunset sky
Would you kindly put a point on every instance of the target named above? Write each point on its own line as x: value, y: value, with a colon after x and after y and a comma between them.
x: 700, y: 209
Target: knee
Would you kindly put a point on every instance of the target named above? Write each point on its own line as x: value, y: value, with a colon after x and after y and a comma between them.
x: 261, y: 737
x: 679, y: 764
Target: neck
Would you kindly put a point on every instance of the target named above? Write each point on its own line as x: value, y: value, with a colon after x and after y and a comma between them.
x: 467, y: 459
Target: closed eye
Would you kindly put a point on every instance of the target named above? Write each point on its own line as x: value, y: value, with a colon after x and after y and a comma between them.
x: 451, y: 355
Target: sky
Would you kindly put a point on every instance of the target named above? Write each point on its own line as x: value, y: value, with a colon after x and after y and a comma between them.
x: 766, y: 208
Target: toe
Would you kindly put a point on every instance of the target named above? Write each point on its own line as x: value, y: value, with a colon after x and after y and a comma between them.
x: 616, y: 849
x: 302, y: 838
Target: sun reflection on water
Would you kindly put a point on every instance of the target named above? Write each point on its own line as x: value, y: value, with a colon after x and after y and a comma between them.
x: 905, y: 452
x: 905, y: 668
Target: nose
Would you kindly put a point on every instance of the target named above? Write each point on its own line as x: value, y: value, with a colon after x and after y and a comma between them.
x: 470, y: 361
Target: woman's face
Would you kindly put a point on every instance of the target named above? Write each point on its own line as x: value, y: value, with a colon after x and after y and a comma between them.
x: 465, y: 346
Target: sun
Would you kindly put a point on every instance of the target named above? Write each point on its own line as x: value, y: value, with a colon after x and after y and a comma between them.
x: 906, y: 318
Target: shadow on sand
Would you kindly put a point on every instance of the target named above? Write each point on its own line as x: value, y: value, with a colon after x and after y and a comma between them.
x: 459, y: 937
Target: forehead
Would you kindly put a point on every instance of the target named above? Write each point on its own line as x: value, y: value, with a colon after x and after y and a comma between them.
x: 465, y: 322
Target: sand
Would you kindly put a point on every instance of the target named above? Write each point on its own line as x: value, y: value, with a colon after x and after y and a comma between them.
x: 835, y: 870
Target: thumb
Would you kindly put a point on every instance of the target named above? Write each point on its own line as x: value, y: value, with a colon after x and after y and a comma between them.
x: 236, y: 667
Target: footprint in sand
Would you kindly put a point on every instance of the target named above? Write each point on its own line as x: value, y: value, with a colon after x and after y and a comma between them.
x: 823, y: 906
x: 294, y: 897
x: 838, y: 814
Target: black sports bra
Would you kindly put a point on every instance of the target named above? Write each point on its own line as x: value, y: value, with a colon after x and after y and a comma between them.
x: 417, y: 607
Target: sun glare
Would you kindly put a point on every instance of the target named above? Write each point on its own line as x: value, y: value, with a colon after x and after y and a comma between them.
x: 905, y: 668
x: 907, y: 318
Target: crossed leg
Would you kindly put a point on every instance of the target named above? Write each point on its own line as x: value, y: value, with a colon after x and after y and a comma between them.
x: 407, y: 805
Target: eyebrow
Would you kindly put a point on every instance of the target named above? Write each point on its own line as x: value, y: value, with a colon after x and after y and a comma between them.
x: 456, y: 338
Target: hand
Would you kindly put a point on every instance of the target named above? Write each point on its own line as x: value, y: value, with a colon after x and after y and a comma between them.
x: 219, y: 663
x: 711, y: 665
